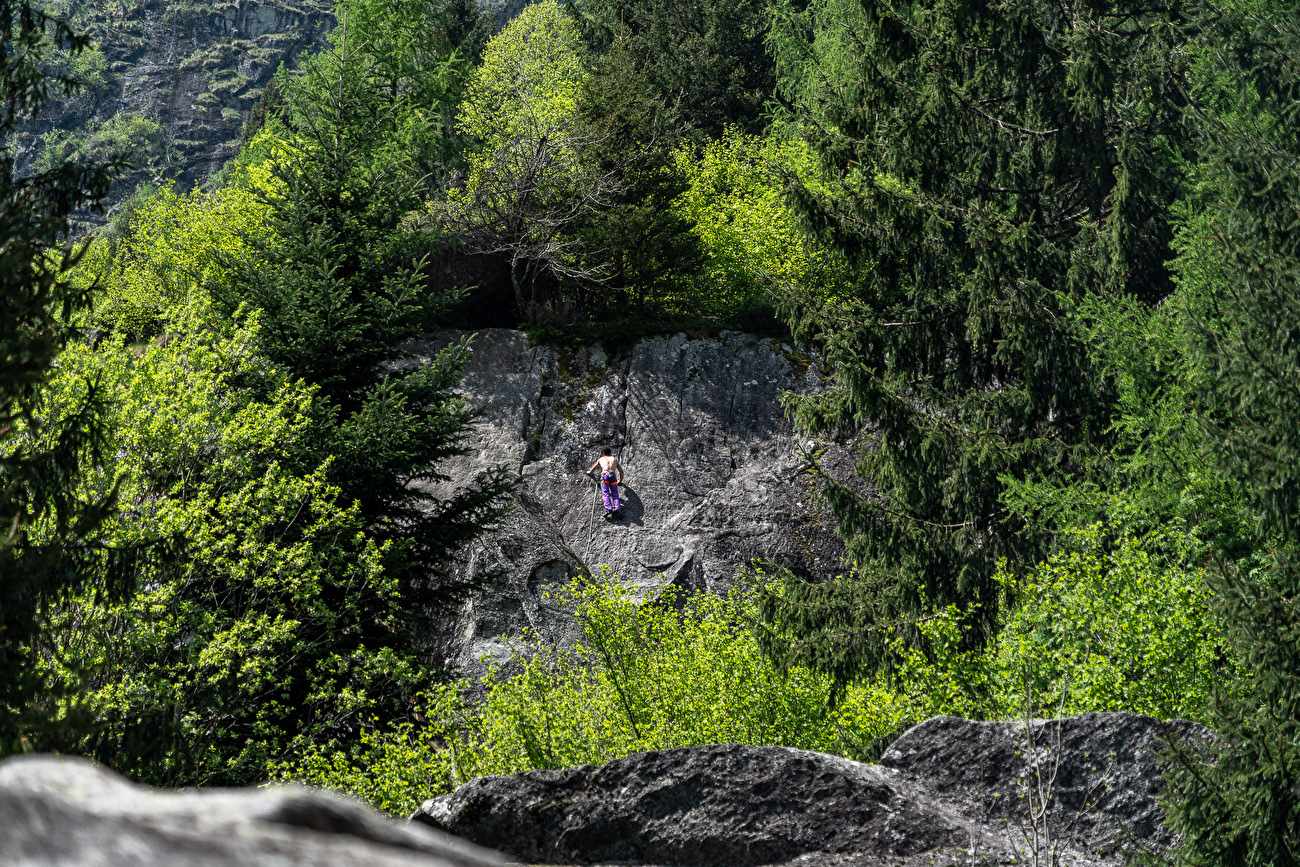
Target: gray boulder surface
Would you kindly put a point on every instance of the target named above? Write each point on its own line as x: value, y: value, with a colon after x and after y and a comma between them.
x: 948, y: 791
x: 712, y: 805
x: 714, y: 472
x: 60, y: 812
x: 1101, y: 769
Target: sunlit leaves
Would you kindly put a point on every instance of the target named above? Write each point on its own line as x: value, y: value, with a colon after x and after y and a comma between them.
x: 752, y: 239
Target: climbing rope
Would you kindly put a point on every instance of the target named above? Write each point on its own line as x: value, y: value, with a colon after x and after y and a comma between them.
x: 591, y: 526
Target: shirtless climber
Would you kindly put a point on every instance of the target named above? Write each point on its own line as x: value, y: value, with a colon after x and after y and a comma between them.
x: 611, y: 476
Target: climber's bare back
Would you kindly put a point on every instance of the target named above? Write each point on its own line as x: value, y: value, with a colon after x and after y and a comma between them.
x: 608, y: 464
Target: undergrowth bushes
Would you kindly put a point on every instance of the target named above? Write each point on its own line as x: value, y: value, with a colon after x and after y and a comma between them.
x: 679, y: 671
x: 1118, y: 621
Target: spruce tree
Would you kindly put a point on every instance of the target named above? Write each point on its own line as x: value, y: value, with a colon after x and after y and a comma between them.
x: 48, y: 531
x: 342, y: 280
x: 989, y: 166
x: 705, y: 59
x: 1237, y: 801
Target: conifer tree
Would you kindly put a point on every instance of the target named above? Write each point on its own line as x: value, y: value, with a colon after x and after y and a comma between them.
x: 341, y: 283
x: 48, y: 545
x: 1238, y: 801
x: 705, y: 59
x: 989, y: 165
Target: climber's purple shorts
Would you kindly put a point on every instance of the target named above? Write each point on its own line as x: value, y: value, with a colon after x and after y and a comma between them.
x: 609, y: 490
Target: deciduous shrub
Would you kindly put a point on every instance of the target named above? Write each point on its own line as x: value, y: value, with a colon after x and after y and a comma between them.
x: 245, y: 642
x: 677, y: 671
x: 752, y: 239
x: 1117, y: 621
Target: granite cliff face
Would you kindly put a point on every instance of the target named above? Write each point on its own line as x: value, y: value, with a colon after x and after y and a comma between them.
x: 172, y: 80
x: 714, y: 475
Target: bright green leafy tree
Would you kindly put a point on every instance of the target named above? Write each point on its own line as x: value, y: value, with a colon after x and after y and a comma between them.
x: 534, y: 173
x: 254, y: 637
x: 752, y: 240
x: 166, y: 250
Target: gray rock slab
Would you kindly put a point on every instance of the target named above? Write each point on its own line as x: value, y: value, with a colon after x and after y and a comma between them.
x: 68, y: 812
x: 713, y: 471
x: 948, y: 791
x: 718, y: 805
x: 1101, y: 770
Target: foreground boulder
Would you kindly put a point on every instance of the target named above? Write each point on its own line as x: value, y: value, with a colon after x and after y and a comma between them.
x: 704, y: 805
x: 63, y: 811
x: 948, y: 791
x: 1100, y: 769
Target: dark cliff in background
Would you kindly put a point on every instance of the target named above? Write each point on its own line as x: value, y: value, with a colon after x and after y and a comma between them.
x: 175, y: 81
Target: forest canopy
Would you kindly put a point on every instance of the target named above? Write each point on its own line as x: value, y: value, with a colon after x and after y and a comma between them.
x: 1046, y: 252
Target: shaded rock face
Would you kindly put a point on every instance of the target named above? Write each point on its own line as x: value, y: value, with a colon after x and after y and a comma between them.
x: 949, y: 791
x: 713, y: 472
x: 719, y: 805
x: 179, y: 80
x: 63, y: 811
x: 1101, y: 769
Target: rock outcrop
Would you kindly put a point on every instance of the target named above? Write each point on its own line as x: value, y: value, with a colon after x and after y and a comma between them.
x: 1100, y: 769
x: 63, y: 811
x: 948, y: 791
x: 714, y: 473
x: 174, y: 81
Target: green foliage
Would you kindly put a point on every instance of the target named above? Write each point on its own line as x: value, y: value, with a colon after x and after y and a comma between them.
x: 650, y: 252
x: 647, y: 676
x: 705, y: 60
x: 528, y: 84
x: 338, y: 272
x: 340, y: 279
x: 534, y: 172
x: 989, y: 166
x: 141, y: 137
x: 272, y: 624
x: 678, y: 671
x: 168, y: 249
x: 574, y: 178
x: 1120, y: 621
x: 752, y: 240
x: 409, y: 55
x: 286, y: 612
x: 265, y: 442
x: 1237, y: 801
x: 50, y: 544
x: 89, y: 68
x: 1117, y: 620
